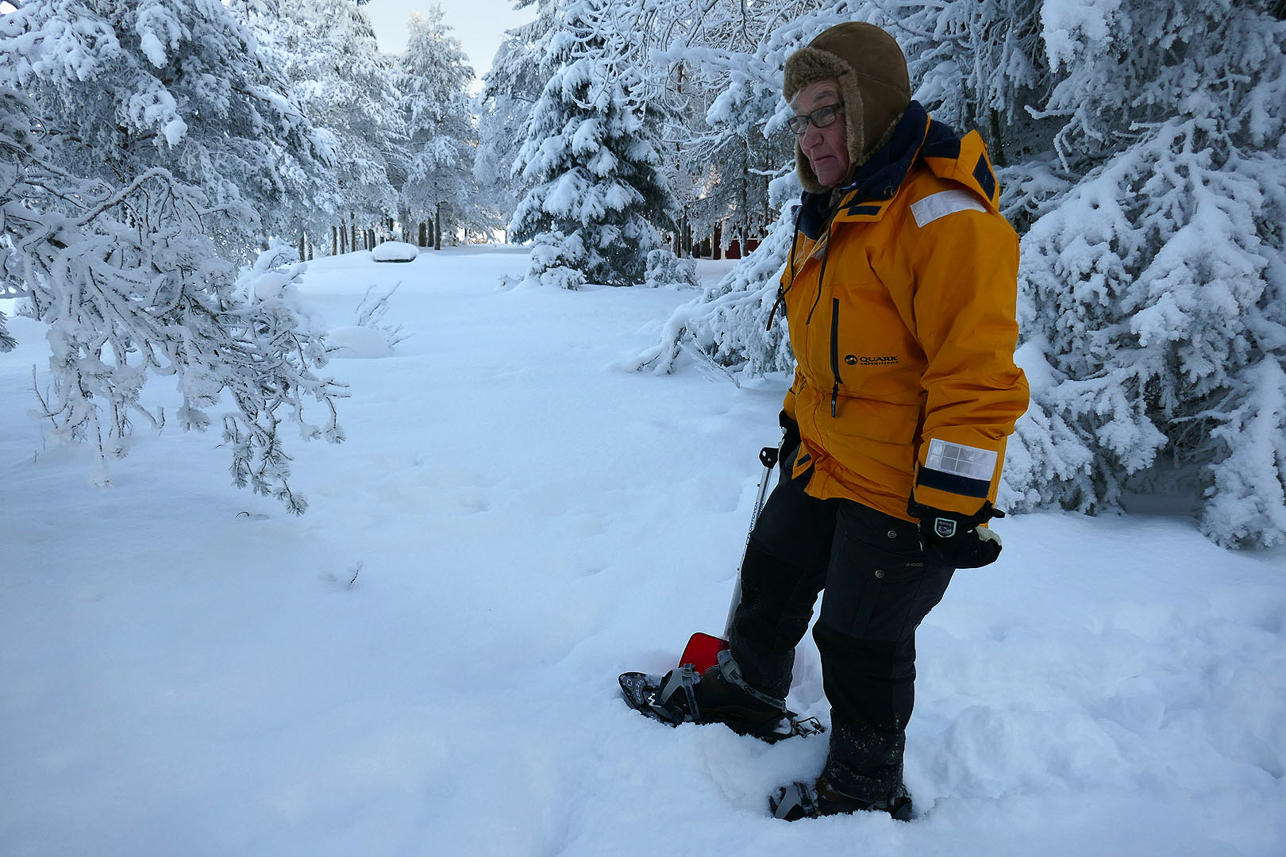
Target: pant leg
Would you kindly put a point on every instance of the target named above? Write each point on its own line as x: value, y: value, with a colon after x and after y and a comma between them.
x: 879, y: 587
x: 784, y: 567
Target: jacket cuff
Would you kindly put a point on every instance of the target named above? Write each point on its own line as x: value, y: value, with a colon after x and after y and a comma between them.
x: 955, y: 477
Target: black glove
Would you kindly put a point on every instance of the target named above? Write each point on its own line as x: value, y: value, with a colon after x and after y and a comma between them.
x: 957, y: 539
x: 789, y: 434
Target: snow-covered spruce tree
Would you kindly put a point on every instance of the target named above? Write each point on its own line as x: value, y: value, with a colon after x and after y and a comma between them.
x: 441, y: 138
x: 122, y: 88
x: 590, y: 158
x: 510, y: 89
x: 130, y: 286
x: 336, y: 73
x: 1157, y: 288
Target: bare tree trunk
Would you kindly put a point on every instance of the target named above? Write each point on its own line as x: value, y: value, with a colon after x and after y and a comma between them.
x: 716, y: 248
x: 334, y: 241
x: 437, y: 227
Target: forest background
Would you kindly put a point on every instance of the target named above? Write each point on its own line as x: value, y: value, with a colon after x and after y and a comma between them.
x: 167, y: 167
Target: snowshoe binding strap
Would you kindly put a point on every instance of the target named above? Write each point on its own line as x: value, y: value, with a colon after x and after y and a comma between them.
x: 793, y: 802
x: 801, y: 800
x: 682, y: 678
x: 731, y: 673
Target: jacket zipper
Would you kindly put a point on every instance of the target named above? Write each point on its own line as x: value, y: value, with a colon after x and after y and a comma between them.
x: 835, y: 353
x: 821, y: 276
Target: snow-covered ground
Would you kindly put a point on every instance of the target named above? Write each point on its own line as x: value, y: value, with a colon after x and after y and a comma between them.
x: 425, y: 663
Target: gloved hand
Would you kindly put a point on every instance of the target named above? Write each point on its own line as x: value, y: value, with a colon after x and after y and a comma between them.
x: 957, y: 539
x: 789, y: 434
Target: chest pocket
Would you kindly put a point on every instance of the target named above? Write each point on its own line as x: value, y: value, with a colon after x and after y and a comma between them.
x: 868, y: 351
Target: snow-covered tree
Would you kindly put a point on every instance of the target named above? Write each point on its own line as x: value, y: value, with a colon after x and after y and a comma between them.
x: 441, y: 136
x: 587, y: 153
x: 510, y: 89
x: 1157, y: 287
x: 131, y: 286
x: 182, y: 85
x: 345, y: 86
x: 717, y: 97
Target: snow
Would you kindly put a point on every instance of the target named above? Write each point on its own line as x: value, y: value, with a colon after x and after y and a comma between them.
x: 354, y: 340
x: 395, y: 251
x: 425, y: 662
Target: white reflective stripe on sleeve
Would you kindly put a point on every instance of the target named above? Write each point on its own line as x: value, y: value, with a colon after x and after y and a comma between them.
x: 967, y: 461
x: 931, y: 208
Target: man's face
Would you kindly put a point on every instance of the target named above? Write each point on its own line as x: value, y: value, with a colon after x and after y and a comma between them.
x: 826, y: 148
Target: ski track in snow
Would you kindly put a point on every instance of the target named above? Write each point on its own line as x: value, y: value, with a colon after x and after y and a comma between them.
x: 425, y: 662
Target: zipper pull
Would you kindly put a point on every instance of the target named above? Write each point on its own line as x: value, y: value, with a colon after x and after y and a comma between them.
x: 781, y: 296
x: 834, y: 397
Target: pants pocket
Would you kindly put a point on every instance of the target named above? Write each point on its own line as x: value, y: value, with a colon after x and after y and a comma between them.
x: 880, y: 585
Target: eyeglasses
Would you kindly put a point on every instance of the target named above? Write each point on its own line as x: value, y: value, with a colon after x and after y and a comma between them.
x: 821, y: 117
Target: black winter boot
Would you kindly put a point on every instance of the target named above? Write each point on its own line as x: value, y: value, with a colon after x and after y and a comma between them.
x: 801, y: 800
x: 722, y: 696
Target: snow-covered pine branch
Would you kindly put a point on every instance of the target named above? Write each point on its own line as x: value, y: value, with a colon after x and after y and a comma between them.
x: 131, y: 286
x: 182, y: 85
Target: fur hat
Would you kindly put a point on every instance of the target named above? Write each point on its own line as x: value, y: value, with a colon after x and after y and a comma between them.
x: 873, y: 81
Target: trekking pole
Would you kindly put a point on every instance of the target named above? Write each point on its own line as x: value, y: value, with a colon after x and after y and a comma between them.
x: 768, y: 456
x: 703, y: 650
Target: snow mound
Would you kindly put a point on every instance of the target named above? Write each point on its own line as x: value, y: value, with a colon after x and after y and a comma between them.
x: 358, y: 341
x: 395, y: 251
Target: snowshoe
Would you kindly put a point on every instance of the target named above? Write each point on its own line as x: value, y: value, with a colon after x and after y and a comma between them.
x: 683, y: 696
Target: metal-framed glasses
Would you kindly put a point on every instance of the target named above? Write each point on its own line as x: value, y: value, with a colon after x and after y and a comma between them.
x: 820, y: 118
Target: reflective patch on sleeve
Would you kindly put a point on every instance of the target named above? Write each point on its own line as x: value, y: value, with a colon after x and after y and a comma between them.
x: 959, y: 460
x: 941, y: 204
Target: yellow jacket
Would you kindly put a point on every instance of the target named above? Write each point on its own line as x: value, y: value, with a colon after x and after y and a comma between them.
x: 901, y: 307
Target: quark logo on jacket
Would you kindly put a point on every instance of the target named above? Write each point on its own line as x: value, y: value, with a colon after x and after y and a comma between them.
x: 864, y: 360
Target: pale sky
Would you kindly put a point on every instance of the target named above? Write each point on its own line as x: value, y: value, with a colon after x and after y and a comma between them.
x: 479, y: 24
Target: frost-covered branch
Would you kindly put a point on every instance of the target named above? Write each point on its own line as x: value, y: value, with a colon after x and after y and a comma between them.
x: 131, y: 286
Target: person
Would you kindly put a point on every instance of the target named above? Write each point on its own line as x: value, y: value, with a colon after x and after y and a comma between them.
x: 900, y: 298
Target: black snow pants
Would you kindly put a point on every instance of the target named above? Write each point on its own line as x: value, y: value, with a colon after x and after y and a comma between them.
x: 878, y: 584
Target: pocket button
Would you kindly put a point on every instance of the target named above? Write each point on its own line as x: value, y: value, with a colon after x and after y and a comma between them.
x: 879, y: 572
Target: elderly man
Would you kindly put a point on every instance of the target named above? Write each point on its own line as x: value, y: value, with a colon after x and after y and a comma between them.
x: 899, y: 294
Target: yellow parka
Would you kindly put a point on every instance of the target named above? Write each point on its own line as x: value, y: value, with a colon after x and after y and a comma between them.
x: 900, y: 300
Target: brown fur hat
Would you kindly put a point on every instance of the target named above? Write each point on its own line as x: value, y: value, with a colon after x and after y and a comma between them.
x: 871, y: 72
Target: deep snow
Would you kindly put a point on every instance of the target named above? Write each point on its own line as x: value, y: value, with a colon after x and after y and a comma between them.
x: 425, y: 663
